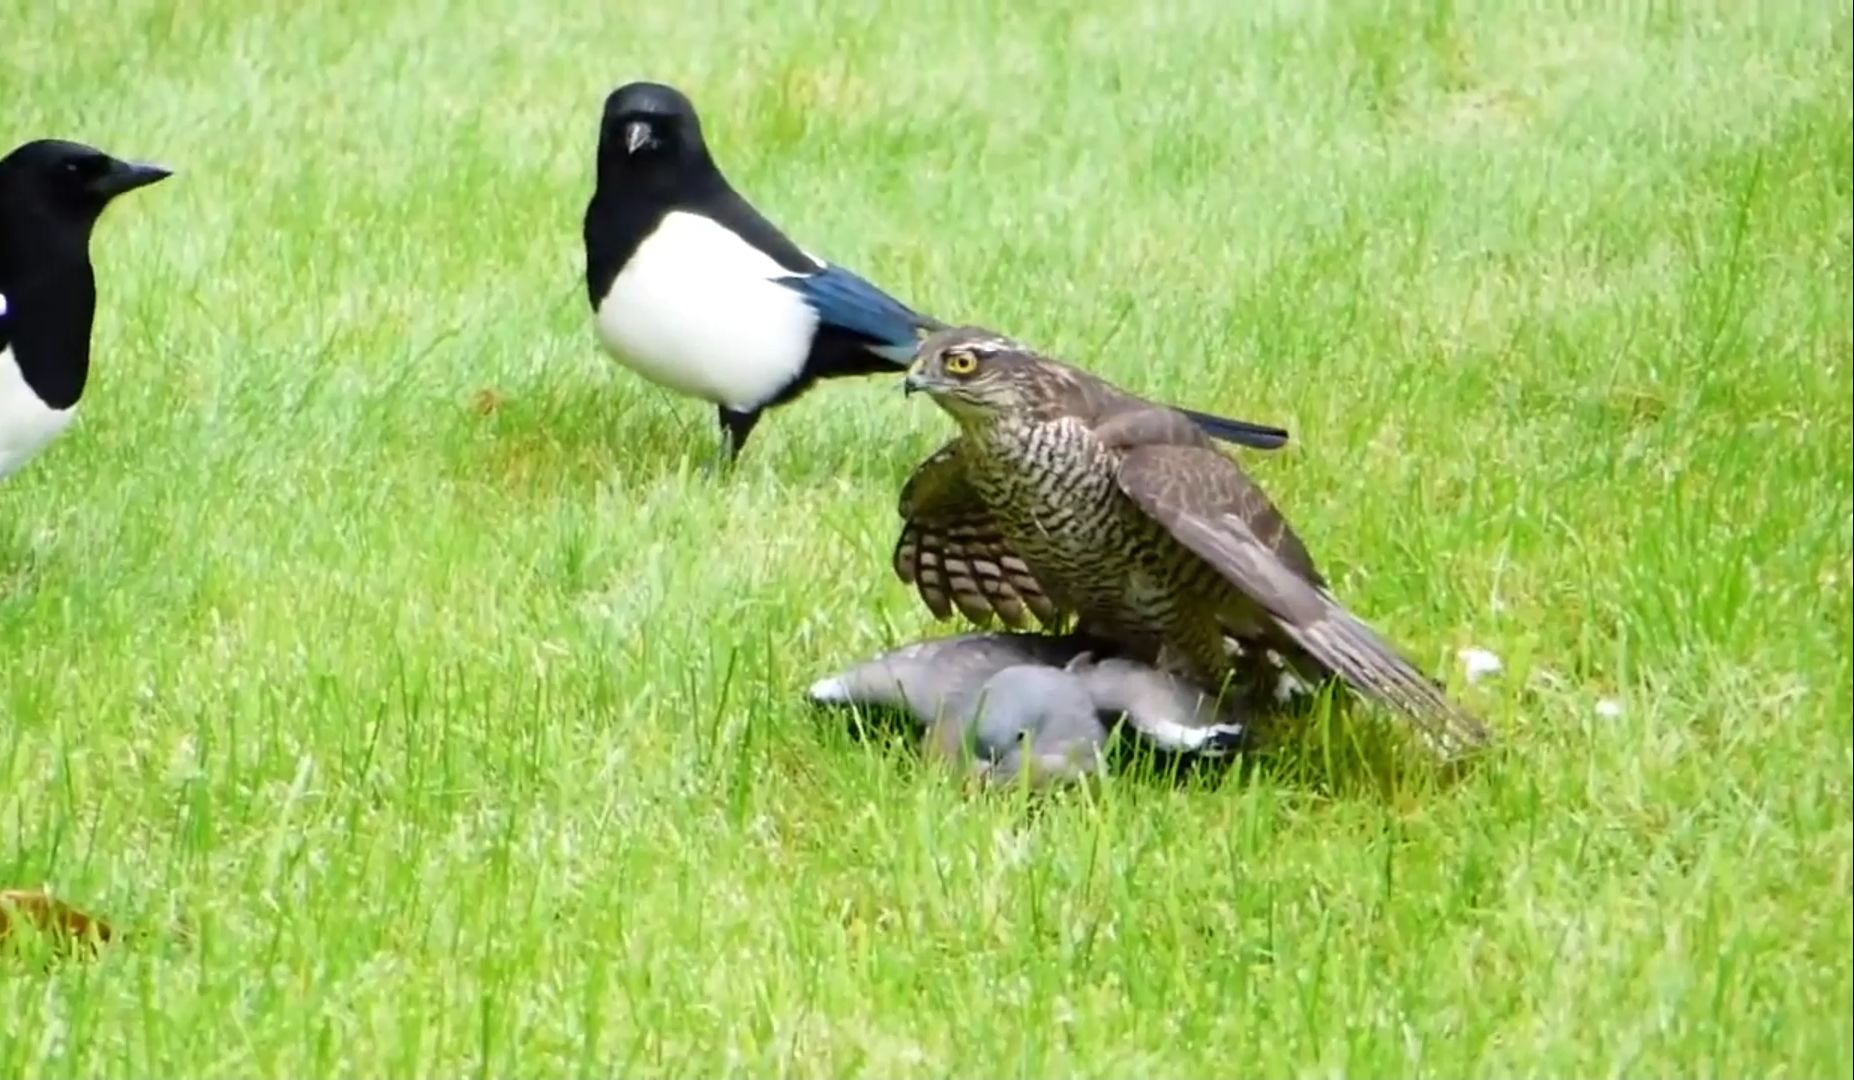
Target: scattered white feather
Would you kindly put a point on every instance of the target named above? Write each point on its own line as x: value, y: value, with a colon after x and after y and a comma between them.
x: 1608, y: 708
x: 1477, y: 664
x: 1289, y: 685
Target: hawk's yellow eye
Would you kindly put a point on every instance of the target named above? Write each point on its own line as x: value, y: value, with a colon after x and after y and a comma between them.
x: 960, y: 363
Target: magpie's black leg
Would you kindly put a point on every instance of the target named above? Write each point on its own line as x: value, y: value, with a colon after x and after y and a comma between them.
x: 735, y: 427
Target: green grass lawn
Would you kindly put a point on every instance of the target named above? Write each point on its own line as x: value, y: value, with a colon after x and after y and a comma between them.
x: 373, y: 625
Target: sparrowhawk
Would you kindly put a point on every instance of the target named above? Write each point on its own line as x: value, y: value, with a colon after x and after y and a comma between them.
x: 1064, y: 496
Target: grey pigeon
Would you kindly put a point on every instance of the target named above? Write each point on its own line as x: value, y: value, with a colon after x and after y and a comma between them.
x: 1039, y: 704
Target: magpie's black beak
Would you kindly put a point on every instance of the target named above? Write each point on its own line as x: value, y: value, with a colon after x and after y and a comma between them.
x: 127, y: 176
x: 636, y: 135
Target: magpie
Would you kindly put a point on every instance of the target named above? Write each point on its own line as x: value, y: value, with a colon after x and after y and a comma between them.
x: 692, y: 288
x: 51, y: 194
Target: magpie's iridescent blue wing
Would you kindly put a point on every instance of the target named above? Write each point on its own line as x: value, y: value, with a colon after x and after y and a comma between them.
x: 850, y: 304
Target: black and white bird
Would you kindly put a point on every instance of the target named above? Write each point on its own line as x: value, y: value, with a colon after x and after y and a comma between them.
x: 51, y: 194
x: 694, y: 289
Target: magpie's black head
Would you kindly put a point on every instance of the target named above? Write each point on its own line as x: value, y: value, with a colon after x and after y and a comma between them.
x: 67, y: 183
x: 650, y: 136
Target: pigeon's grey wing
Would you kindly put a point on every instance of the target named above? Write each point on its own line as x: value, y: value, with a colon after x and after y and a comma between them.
x: 953, y: 553
x: 1164, y: 710
x: 928, y: 679
x: 995, y: 650
x: 891, y: 682
x: 942, y: 677
x: 1204, y: 501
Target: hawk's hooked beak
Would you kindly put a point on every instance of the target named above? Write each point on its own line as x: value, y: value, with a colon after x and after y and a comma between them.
x: 913, y: 381
x: 636, y: 135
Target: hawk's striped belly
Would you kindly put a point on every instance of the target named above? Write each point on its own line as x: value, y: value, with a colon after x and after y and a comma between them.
x: 1051, y: 489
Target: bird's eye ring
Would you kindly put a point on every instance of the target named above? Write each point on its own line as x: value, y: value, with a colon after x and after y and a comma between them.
x: 960, y: 363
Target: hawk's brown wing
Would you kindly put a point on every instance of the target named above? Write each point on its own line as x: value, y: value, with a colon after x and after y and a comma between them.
x: 954, y: 555
x: 1206, y: 502
x: 1131, y: 424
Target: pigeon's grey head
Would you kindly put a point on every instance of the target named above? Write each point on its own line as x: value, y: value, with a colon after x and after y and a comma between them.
x: 67, y: 182
x: 1036, y: 723
x: 1043, y: 705
x: 650, y: 135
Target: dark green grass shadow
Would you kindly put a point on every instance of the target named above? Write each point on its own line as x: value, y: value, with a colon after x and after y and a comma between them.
x: 530, y: 439
x: 576, y: 436
x: 1339, y: 747
x: 22, y: 563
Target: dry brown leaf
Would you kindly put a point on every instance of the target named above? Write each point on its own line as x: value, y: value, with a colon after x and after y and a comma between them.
x: 66, y: 925
x: 486, y: 402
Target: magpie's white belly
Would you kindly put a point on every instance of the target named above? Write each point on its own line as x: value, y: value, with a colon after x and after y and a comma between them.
x: 694, y: 310
x: 26, y: 423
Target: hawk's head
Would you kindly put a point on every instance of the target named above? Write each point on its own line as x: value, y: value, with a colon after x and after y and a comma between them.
x: 973, y: 373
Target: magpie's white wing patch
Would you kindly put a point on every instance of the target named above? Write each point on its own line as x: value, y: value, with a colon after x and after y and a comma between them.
x: 2, y: 305
x: 697, y: 309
